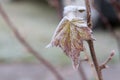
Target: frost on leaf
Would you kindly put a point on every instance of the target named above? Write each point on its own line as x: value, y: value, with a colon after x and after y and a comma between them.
x: 69, y: 36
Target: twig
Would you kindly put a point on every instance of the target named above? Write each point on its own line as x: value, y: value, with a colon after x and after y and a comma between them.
x: 91, y: 45
x: 89, y: 19
x: 116, y: 6
x: 90, y: 42
x: 87, y: 58
x: 27, y: 45
x: 104, y: 65
x: 81, y: 72
x: 94, y: 58
x: 108, y: 25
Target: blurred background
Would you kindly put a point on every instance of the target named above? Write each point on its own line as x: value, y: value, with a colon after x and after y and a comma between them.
x: 36, y: 21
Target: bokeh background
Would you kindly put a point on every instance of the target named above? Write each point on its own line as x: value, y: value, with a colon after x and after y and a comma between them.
x: 36, y: 20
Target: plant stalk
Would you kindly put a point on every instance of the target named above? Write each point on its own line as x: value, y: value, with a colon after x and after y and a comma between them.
x: 90, y: 42
x: 94, y: 58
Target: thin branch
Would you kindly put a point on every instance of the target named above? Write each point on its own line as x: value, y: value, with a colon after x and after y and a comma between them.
x: 116, y: 6
x: 104, y: 19
x: 94, y: 58
x: 27, y: 45
x: 91, y: 64
x: 108, y: 25
x: 81, y: 72
x: 90, y: 42
x: 89, y: 19
x: 104, y: 65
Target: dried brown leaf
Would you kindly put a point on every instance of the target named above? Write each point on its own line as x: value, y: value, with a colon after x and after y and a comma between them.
x: 70, y: 36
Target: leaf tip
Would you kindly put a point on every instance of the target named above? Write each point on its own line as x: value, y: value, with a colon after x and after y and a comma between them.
x: 75, y: 66
x: 49, y: 45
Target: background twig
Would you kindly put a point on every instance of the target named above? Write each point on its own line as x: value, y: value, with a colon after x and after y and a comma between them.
x: 27, y: 46
x: 81, y: 72
x: 108, y: 26
x: 116, y: 6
